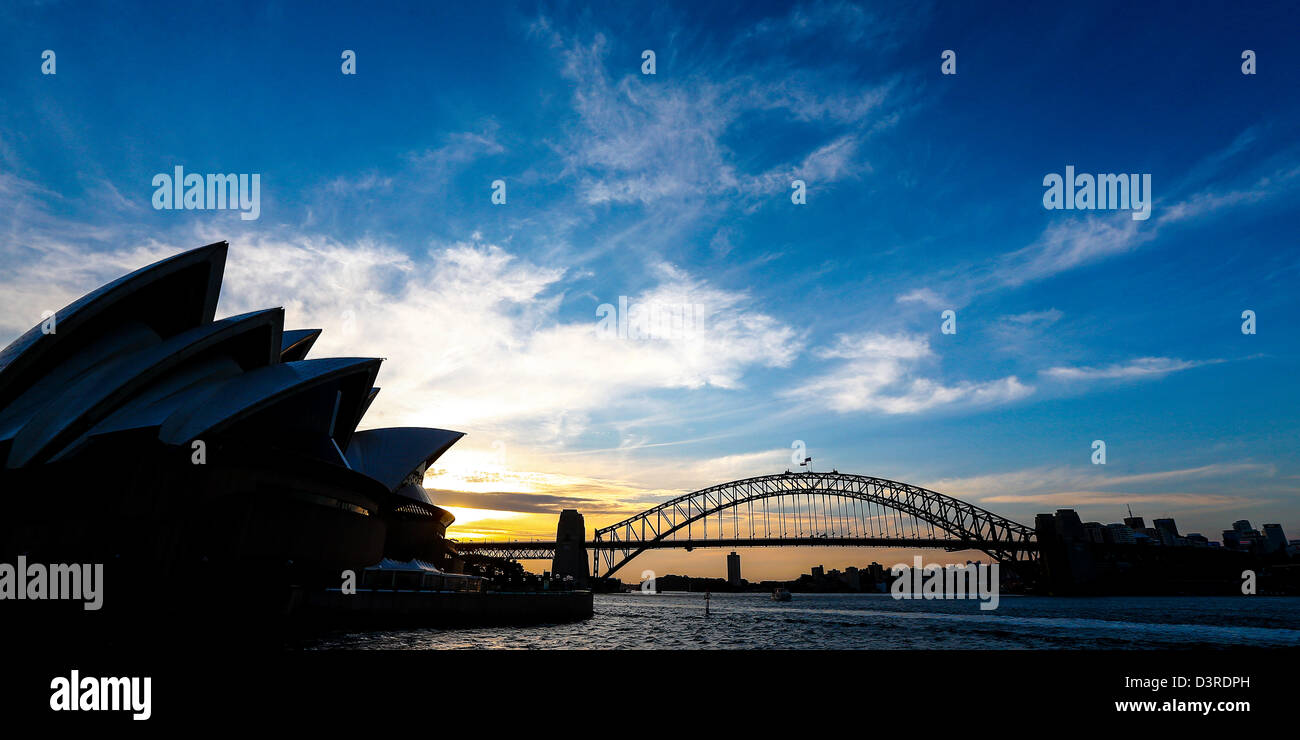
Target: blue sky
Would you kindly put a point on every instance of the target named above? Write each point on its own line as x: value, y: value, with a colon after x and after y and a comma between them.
x: 924, y: 194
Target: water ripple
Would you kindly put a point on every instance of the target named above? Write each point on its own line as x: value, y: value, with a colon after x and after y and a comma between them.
x: 875, y: 621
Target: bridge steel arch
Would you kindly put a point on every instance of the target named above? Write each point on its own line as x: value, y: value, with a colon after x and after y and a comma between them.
x: 971, y: 527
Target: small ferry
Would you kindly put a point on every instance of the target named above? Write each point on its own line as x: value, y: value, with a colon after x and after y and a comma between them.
x: 781, y: 594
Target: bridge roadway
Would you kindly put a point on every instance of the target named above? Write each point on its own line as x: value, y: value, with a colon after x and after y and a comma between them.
x: 545, y: 550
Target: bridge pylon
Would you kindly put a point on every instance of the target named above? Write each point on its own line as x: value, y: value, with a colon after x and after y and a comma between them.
x: 571, y: 547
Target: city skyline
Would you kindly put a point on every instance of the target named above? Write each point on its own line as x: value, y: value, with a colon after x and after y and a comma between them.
x: 712, y: 564
x: 821, y: 329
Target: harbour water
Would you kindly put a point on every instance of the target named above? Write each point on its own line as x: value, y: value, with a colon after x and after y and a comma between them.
x: 876, y: 621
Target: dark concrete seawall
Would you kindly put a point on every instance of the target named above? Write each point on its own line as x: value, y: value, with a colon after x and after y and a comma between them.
x: 421, y: 608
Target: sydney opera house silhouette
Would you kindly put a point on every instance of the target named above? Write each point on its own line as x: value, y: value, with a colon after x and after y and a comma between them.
x: 138, y: 431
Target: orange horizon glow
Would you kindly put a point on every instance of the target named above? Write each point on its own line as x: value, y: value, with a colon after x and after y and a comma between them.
x: 480, y: 474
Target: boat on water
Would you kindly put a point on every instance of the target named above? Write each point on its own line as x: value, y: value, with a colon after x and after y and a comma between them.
x: 781, y: 594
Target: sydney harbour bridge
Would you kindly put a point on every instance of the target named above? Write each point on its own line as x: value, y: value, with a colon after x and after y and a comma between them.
x: 804, y: 509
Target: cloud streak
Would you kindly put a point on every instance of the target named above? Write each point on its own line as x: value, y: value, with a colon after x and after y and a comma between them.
x: 645, y: 139
x: 880, y: 373
x: 474, y: 337
x: 1140, y: 368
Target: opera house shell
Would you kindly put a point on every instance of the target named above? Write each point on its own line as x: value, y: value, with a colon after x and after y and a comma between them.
x: 144, y: 433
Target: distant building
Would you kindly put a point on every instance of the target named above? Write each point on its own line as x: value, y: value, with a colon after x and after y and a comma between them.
x: 1167, y: 531
x: 818, y: 571
x: 1154, y: 560
x: 1135, y: 523
x: 852, y: 578
x: 1094, y: 532
x: 1274, y: 538
x: 1068, y: 524
x: 1120, y: 534
x: 733, y: 569
x: 875, y: 572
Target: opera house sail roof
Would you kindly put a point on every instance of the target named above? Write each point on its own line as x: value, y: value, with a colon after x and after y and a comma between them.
x: 138, y: 375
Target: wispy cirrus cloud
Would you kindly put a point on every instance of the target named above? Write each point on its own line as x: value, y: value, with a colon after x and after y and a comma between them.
x: 1141, y: 367
x: 370, y: 181
x: 1034, y: 318
x: 833, y: 22
x: 1069, y: 243
x: 883, y: 373
x: 925, y: 296
x: 1053, y: 479
x: 644, y: 139
x: 473, y: 332
x: 458, y: 149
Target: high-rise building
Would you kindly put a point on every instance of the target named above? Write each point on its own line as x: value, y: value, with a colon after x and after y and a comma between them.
x: 876, y: 572
x: 1068, y: 524
x: 1135, y: 523
x: 818, y: 571
x: 1094, y: 532
x: 1274, y: 538
x: 1242, y: 526
x: 1167, y: 530
x: 1120, y: 534
x: 1231, y: 539
x: 733, y: 569
x: 852, y: 578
